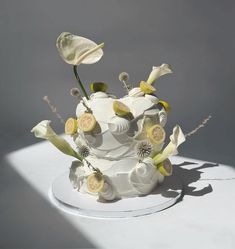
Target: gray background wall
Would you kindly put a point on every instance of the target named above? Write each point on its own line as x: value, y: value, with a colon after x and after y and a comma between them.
x: 196, y: 37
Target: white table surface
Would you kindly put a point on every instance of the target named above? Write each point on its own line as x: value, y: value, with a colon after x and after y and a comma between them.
x: 203, y: 219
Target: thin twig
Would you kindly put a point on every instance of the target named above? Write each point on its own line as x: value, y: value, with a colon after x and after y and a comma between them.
x: 53, y: 109
x: 203, y: 123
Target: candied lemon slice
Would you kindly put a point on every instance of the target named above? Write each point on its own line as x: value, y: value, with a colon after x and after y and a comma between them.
x: 120, y: 108
x: 165, y: 167
x: 165, y: 105
x: 146, y: 87
x: 156, y: 134
x: 86, y: 122
x: 71, y: 126
x: 98, y: 87
x: 95, y: 182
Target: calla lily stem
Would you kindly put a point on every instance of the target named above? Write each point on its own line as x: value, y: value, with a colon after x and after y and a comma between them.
x: 75, y: 70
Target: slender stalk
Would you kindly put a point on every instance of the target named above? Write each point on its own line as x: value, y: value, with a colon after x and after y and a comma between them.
x: 75, y: 71
x: 53, y: 109
x: 201, y: 125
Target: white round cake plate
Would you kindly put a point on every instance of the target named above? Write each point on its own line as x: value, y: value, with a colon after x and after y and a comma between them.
x: 64, y: 197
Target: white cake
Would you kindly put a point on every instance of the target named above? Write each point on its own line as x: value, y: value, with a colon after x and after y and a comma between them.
x: 119, y: 142
x: 112, y: 148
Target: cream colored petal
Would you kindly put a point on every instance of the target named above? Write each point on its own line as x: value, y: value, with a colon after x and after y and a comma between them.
x: 176, y: 138
x: 76, y: 49
x: 43, y: 130
x: 158, y: 72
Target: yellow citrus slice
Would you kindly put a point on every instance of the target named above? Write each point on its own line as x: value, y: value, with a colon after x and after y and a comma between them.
x: 95, y: 182
x: 165, y: 168
x: 86, y: 122
x: 120, y: 108
x: 165, y: 105
x: 71, y: 126
x: 146, y: 87
x: 156, y: 134
x: 98, y: 87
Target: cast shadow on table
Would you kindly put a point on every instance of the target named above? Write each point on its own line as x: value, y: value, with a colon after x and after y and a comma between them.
x: 29, y: 221
x: 189, y: 176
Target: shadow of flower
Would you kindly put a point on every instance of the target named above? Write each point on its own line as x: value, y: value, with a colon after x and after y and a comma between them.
x: 188, y: 176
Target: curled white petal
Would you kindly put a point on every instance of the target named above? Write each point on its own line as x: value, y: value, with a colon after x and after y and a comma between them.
x: 43, y: 130
x: 158, y: 72
x: 76, y: 49
x: 176, y: 138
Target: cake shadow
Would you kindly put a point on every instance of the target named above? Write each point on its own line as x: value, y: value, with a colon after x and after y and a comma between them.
x: 187, y: 177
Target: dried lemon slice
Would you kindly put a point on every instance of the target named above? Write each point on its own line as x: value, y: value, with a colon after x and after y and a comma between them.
x: 156, y: 134
x: 95, y: 182
x: 165, y: 168
x: 98, y: 87
x: 120, y: 108
x: 71, y: 126
x: 86, y: 122
x: 146, y: 87
x: 165, y: 105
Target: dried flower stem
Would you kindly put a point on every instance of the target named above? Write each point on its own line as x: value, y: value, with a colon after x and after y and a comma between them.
x: 123, y: 77
x: 203, y: 123
x: 91, y: 167
x: 53, y: 109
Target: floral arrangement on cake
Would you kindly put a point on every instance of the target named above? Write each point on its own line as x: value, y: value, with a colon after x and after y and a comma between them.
x: 120, y: 146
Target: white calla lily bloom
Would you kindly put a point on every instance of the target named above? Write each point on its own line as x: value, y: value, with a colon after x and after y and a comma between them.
x: 43, y: 130
x: 76, y: 50
x: 176, y: 138
x: 158, y: 72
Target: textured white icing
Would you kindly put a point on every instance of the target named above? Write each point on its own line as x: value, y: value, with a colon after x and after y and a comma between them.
x: 152, y: 98
x: 99, y: 95
x: 135, y: 92
x: 144, y: 176
x: 118, y: 125
x: 162, y: 117
x: 112, y: 143
x: 108, y: 193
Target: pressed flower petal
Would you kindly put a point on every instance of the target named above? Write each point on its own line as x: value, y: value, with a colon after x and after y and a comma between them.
x: 76, y: 49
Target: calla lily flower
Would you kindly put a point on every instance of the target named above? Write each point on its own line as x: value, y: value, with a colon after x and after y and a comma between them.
x: 76, y: 50
x: 44, y: 130
x: 176, y: 138
x: 158, y: 72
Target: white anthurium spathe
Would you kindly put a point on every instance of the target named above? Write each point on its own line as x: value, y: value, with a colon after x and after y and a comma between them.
x: 158, y: 72
x: 176, y: 138
x: 43, y: 130
x: 76, y: 50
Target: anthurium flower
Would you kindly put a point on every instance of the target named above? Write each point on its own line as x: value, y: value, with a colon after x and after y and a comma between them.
x: 176, y: 138
x: 44, y: 130
x: 75, y: 50
x: 158, y: 72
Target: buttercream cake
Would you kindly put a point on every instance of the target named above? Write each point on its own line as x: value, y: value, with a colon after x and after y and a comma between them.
x: 119, y: 143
